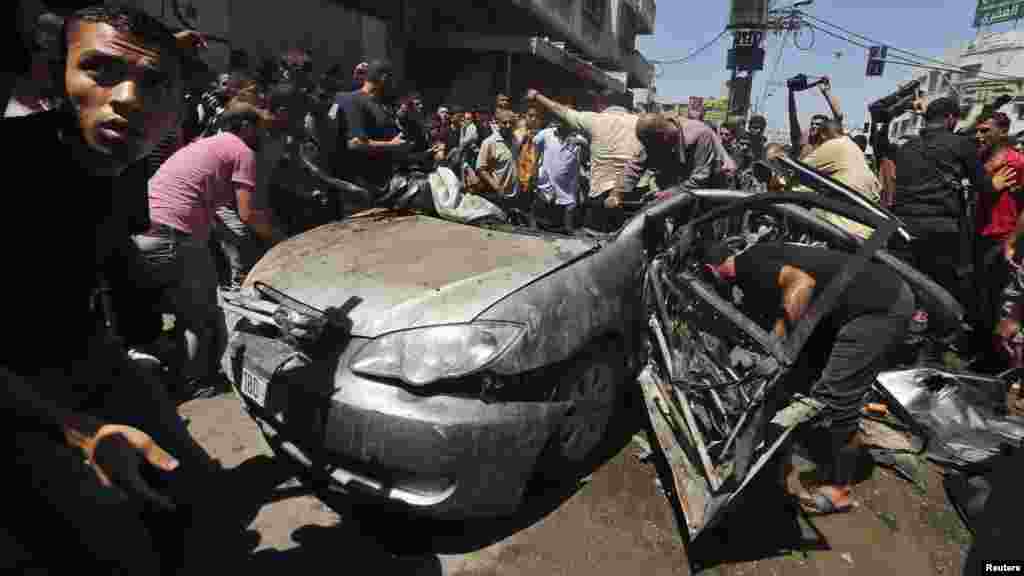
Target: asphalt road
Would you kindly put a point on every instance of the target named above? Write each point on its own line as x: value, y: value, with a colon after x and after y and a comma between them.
x: 616, y: 522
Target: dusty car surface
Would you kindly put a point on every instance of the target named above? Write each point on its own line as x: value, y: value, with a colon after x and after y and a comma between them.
x: 432, y: 363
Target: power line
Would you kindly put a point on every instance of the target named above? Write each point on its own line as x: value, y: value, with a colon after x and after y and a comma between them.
x: 694, y: 53
x: 924, y: 59
x: 907, y: 61
x: 775, y: 70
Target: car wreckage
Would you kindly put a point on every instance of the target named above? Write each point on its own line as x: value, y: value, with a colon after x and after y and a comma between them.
x: 438, y: 364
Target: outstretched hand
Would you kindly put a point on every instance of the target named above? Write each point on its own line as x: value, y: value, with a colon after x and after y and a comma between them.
x: 114, y: 453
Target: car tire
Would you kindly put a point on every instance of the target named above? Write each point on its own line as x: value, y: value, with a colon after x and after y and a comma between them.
x: 593, y: 382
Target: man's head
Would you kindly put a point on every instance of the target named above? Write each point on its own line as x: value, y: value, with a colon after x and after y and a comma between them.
x: 757, y: 125
x: 247, y: 121
x: 829, y: 130
x: 506, y: 122
x: 861, y: 141
x: 992, y: 132
x: 534, y: 118
x: 122, y: 76
x: 457, y: 115
x: 416, y: 102
x: 283, y: 104
x: 442, y: 114
x: 817, y: 121
x: 502, y: 102
x: 727, y: 132
x: 359, y: 73
x: 943, y: 111
x: 656, y: 131
x: 380, y: 76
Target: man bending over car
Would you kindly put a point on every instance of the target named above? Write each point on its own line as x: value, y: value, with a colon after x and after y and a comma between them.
x: 779, y: 282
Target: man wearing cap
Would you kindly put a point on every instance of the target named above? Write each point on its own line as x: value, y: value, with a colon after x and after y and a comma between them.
x: 779, y: 283
x: 929, y: 199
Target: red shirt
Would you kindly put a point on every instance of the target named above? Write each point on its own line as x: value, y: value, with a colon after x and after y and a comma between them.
x: 1000, y: 209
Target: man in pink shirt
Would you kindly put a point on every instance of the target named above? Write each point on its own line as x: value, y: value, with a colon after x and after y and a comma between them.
x: 184, y: 194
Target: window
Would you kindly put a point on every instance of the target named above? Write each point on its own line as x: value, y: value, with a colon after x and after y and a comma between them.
x: 933, y: 80
x: 595, y: 9
x: 1019, y: 108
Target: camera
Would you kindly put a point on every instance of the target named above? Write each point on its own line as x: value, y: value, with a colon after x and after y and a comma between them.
x: 900, y: 101
x: 797, y: 83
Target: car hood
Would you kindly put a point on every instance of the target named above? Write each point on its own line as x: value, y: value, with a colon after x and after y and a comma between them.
x: 388, y: 271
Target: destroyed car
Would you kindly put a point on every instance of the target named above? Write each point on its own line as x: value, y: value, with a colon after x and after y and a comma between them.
x: 433, y: 364
x: 719, y: 387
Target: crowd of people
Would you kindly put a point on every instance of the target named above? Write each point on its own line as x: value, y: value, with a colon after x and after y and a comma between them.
x: 237, y: 163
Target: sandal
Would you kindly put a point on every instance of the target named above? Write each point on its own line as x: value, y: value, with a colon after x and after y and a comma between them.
x: 821, y: 505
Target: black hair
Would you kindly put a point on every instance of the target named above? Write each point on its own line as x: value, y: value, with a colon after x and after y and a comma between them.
x: 281, y: 94
x: 715, y: 253
x: 758, y: 121
x: 862, y: 141
x: 233, y: 120
x: 939, y: 108
x: 378, y: 69
x: 126, y: 19
x: 1001, y: 121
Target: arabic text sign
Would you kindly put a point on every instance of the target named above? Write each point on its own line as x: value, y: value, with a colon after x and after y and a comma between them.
x: 996, y: 11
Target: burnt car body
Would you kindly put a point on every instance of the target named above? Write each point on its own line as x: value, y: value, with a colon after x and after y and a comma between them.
x: 448, y: 358
x: 721, y: 390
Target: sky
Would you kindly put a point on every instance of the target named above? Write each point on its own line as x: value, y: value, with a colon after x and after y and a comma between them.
x: 923, y: 27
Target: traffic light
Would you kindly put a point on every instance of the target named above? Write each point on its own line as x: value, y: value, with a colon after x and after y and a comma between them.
x: 876, y: 60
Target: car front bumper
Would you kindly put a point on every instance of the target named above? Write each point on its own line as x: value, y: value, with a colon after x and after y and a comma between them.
x: 442, y: 456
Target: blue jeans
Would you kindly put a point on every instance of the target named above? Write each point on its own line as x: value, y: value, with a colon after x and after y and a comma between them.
x: 185, y: 270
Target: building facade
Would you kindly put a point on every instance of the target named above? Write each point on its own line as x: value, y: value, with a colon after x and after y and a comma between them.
x: 1001, y: 53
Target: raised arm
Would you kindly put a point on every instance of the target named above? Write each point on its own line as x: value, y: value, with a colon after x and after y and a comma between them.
x: 795, y: 135
x: 572, y: 118
x: 833, y: 102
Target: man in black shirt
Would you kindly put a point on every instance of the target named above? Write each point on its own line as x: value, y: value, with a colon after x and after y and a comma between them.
x: 369, y: 140
x: 779, y: 282
x: 85, y: 423
x: 928, y: 196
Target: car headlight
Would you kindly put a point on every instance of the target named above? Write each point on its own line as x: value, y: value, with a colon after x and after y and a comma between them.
x: 424, y: 355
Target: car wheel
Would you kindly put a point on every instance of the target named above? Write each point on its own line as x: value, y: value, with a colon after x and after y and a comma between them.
x: 593, y: 384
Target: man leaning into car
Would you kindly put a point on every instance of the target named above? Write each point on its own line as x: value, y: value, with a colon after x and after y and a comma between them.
x: 779, y: 282
x: 87, y: 429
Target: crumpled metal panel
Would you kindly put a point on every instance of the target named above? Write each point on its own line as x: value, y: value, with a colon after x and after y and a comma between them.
x: 403, y: 271
x: 964, y: 414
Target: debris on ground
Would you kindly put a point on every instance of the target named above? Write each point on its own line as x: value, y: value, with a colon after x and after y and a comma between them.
x: 847, y: 556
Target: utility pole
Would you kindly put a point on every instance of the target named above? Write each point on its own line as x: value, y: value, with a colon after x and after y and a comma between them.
x: 748, y: 21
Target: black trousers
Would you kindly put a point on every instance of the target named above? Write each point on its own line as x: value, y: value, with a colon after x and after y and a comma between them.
x: 859, y: 353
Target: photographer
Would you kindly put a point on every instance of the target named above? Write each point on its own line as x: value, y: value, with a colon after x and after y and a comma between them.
x: 805, y: 143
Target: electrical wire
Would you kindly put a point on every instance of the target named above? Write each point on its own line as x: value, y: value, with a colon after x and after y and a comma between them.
x: 913, y: 56
x: 901, y: 60
x: 807, y: 48
x: 692, y: 54
x: 775, y: 70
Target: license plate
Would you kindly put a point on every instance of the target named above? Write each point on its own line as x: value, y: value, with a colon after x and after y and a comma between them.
x: 254, y: 388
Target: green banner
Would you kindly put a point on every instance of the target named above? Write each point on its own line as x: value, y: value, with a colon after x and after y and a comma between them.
x: 996, y: 11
